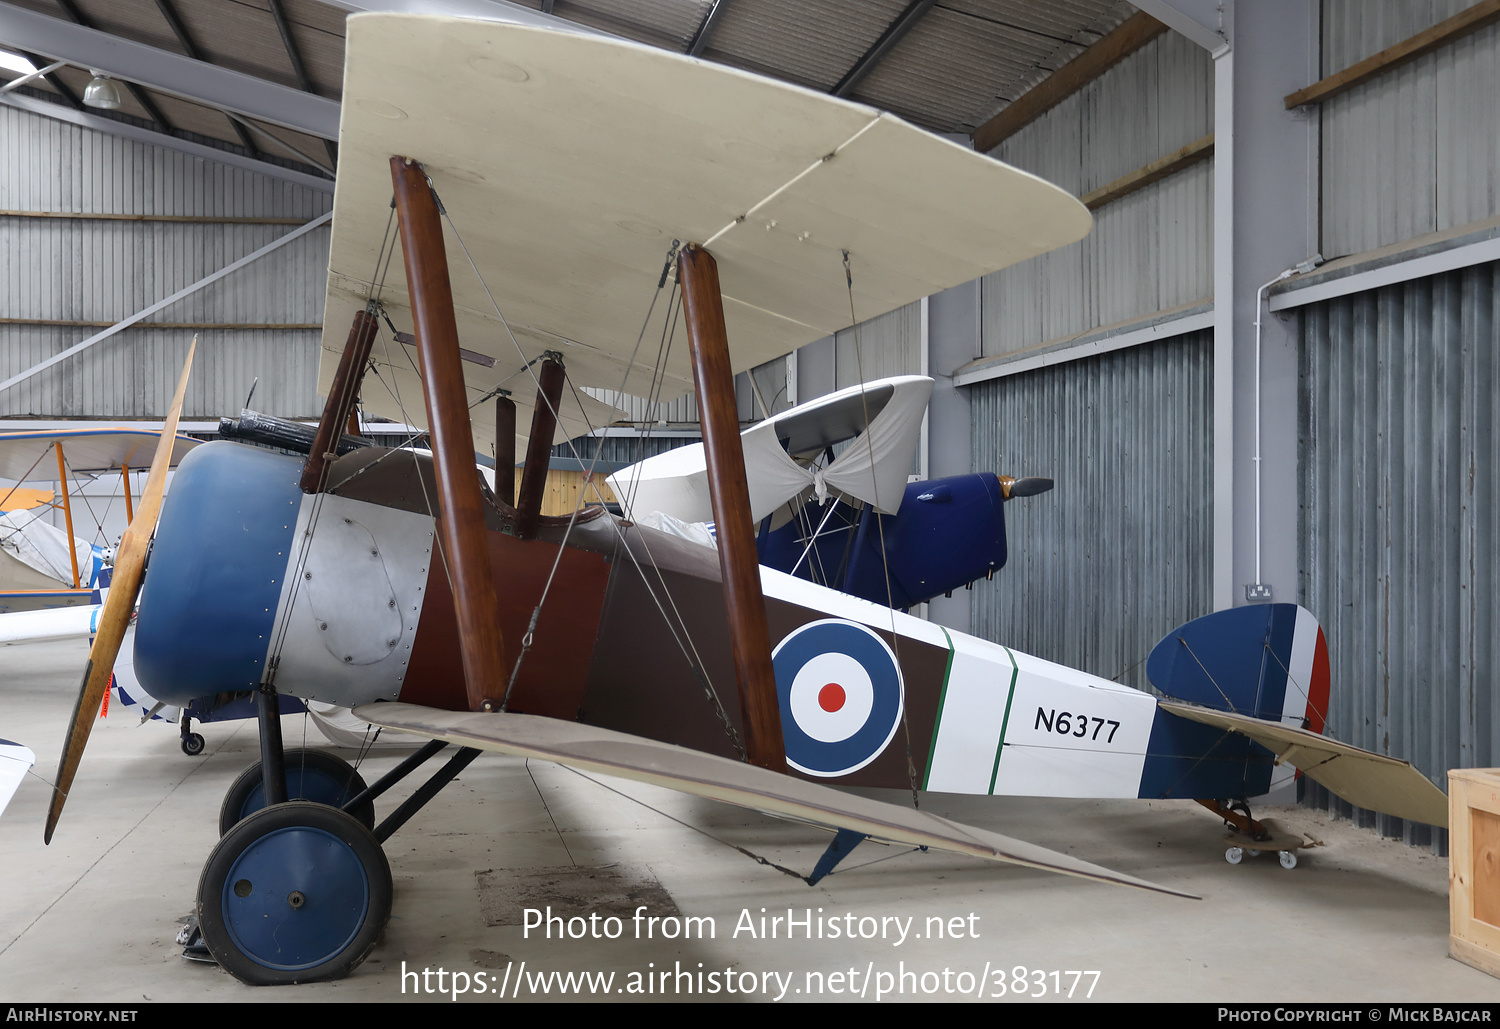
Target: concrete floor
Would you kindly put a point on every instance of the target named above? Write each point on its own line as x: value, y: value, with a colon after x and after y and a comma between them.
x: 93, y: 916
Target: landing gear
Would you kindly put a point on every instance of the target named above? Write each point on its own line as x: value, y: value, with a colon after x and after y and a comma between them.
x: 313, y: 775
x: 299, y: 890
x: 296, y: 892
x: 192, y: 742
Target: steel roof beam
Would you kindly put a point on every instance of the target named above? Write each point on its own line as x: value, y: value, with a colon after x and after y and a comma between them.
x: 299, y: 67
x: 180, y: 31
x: 706, y: 30
x: 170, y: 73
x: 893, y: 34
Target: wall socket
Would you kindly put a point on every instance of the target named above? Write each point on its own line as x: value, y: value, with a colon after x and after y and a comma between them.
x: 1258, y: 592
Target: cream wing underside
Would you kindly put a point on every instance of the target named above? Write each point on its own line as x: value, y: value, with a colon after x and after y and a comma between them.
x: 569, y: 164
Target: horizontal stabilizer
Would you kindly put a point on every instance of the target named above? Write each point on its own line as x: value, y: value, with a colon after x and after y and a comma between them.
x: 706, y: 775
x: 1361, y: 777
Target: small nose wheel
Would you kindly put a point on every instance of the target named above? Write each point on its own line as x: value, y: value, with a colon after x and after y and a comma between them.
x: 193, y: 744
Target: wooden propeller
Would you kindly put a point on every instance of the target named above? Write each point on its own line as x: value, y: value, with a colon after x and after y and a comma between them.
x: 125, y: 586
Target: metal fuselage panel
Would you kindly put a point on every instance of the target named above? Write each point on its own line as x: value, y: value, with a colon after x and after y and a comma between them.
x: 347, y: 616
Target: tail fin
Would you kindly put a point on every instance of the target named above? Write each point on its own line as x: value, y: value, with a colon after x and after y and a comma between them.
x: 1265, y: 660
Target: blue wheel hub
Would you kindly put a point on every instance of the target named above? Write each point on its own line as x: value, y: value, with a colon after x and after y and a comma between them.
x: 295, y: 897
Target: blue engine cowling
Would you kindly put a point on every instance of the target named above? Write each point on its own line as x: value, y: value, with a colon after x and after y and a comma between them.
x: 947, y: 533
x: 215, y: 574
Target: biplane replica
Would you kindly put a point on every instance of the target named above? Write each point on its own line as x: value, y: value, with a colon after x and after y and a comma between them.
x: 535, y: 208
x: 43, y: 566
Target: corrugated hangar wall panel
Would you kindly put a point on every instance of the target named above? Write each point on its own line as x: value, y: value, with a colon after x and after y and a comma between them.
x: 1120, y: 551
x: 1149, y: 250
x: 889, y: 344
x: 1417, y: 149
x: 1400, y: 515
x: 59, y: 269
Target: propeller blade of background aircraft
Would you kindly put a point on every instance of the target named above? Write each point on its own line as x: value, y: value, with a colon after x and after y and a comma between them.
x: 130, y: 564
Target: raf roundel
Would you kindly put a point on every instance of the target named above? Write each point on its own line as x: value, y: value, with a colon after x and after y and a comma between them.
x: 841, y: 696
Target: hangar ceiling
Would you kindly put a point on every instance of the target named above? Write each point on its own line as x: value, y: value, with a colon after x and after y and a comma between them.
x: 258, y: 76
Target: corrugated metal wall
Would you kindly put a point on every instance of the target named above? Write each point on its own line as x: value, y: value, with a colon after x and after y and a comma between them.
x: 90, y: 270
x: 890, y: 344
x: 1120, y: 551
x: 1400, y: 428
x: 1150, y: 250
x: 1411, y: 151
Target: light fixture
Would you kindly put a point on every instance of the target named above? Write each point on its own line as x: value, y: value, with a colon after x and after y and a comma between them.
x: 102, y: 92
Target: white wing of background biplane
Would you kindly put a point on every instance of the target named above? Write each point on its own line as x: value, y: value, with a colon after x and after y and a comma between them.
x: 570, y: 163
x: 35, y: 565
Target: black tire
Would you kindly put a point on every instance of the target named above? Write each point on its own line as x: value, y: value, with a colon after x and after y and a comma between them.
x: 295, y: 893
x: 312, y: 775
x: 193, y: 744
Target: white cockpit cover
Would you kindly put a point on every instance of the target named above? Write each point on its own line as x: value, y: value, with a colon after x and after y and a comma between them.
x: 873, y: 468
x: 15, y: 762
x: 42, y: 547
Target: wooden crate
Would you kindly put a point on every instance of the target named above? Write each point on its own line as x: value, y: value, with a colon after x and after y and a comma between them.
x: 1474, y: 867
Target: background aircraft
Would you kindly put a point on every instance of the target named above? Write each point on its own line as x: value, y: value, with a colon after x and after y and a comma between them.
x: 828, y: 487
x: 42, y: 565
x: 376, y: 576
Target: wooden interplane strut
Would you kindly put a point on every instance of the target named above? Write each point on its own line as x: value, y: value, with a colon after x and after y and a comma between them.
x: 703, y: 311
x: 461, y: 528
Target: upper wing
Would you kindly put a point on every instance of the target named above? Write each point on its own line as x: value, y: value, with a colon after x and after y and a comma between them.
x: 707, y: 775
x: 1361, y: 777
x: 86, y: 450
x: 570, y: 163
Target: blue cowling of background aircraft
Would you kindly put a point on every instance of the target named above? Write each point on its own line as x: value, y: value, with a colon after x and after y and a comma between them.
x: 946, y: 534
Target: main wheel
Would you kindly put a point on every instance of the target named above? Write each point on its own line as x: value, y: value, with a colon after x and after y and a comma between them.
x: 295, y: 893
x: 314, y: 775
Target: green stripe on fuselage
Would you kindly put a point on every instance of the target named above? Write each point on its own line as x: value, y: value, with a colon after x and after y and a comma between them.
x: 1015, y: 671
x: 938, y: 721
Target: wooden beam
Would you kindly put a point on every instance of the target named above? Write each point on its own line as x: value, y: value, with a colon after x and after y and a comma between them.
x: 192, y: 219
x: 1198, y: 150
x: 75, y: 323
x: 1132, y: 34
x: 1444, y: 32
x: 749, y: 634
x: 461, y: 530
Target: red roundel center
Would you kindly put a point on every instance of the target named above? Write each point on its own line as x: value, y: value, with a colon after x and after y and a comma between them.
x: 831, y: 697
